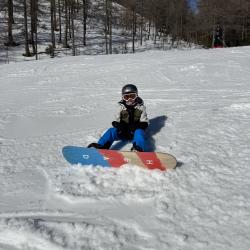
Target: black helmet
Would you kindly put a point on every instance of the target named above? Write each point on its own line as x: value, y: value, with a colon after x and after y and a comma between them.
x: 129, y: 88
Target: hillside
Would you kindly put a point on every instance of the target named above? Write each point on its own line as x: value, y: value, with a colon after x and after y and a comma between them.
x: 198, y: 105
x: 122, y: 38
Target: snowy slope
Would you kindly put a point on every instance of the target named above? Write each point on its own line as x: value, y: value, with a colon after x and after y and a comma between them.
x: 198, y: 103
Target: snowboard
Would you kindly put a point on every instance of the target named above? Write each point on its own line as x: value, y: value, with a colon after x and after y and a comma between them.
x: 113, y: 158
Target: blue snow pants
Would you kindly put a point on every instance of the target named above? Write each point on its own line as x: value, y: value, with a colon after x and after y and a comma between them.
x: 111, y: 135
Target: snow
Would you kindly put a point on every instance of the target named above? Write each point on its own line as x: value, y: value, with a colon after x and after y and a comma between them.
x: 198, y: 102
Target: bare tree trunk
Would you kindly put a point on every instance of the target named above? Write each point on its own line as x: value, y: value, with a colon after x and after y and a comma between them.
x: 10, y: 41
x: 36, y: 43
x: 213, y: 37
x: 55, y: 21
x: 155, y: 33
x: 69, y: 20
x: 27, y: 51
x: 106, y: 28
x: 133, y: 29
x: 66, y: 25
x: 142, y: 13
x: 33, y: 24
x: 52, y: 23
x: 60, y: 21
x: 84, y: 21
x: 149, y: 29
x: 73, y: 28
x: 110, y: 27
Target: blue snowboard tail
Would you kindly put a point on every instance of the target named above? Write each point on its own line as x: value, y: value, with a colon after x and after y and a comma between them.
x: 84, y: 156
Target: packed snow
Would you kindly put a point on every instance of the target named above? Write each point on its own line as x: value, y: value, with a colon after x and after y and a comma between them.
x: 198, y: 102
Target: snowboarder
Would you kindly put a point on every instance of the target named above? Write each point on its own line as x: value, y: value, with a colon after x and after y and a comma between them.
x: 130, y: 123
x: 218, y: 37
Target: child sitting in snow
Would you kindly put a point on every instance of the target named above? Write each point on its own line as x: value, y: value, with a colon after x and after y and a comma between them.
x: 130, y: 123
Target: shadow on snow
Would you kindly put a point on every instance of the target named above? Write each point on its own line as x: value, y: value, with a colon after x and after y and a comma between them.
x: 155, y: 126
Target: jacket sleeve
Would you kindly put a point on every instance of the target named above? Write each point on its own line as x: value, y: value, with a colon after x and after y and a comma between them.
x: 144, y: 116
x: 118, y: 114
x: 143, y: 122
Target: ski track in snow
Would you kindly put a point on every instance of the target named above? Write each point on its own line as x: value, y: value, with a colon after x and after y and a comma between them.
x: 199, y: 106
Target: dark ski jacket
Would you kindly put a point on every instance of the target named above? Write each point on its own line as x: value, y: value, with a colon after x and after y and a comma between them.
x: 130, y: 118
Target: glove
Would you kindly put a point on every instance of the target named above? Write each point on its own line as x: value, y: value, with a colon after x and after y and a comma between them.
x: 123, y: 130
x: 139, y: 125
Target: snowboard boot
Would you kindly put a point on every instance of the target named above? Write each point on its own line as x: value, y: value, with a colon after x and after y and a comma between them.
x: 95, y: 145
x: 99, y: 146
x: 136, y: 148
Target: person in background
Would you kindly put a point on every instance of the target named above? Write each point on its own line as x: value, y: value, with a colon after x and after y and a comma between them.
x: 218, y: 37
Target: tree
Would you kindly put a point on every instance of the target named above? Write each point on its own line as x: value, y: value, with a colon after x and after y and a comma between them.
x: 85, y: 16
x: 60, y: 21
x: 52, y: 25
x: 26, y: 34
x: 132, y: 21
x: 10, y: 41
x: 108, y: 26
x: 142, y: 19
x: 66, y: 23
x: 72, y: 17
x: 33, y: 24
x: 232, y: 16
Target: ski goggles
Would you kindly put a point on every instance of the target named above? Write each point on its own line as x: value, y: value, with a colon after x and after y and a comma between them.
x: 130, y: 96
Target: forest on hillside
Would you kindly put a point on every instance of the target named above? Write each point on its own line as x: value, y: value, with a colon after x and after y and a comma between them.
x: 67, y: 22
